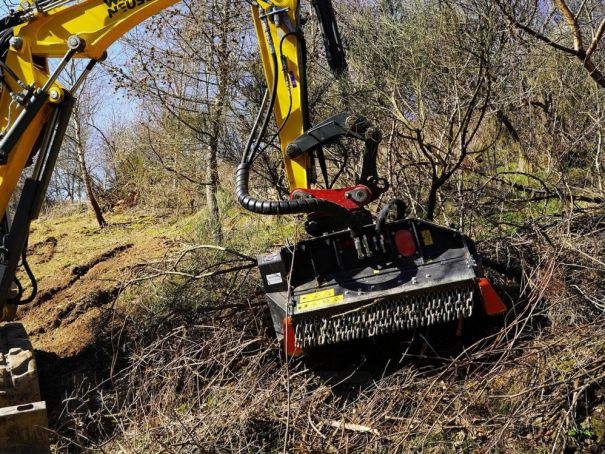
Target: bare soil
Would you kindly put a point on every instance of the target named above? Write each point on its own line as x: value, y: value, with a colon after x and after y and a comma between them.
x: 81, y: 270
x: 80, y: 286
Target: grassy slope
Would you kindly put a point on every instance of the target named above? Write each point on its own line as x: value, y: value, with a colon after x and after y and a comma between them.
x: 79, y: 267
x: 209, y: 377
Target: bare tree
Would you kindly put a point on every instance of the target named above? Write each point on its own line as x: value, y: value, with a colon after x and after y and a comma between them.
x: 184, y: 77
x: 436, y: 88
x: 583, y: 18
x: 78, y: 135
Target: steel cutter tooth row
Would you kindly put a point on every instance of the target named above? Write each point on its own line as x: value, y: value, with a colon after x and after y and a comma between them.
x: 387, y: 317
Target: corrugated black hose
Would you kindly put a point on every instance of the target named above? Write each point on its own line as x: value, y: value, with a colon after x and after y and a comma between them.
x: 283, y: 207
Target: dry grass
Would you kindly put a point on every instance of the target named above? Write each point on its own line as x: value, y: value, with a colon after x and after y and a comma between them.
x: 211, y: 378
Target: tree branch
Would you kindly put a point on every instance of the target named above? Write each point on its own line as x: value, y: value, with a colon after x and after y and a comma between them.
x: 597, y: 38
x: 573, y: 24
x: 578, y: 50
x: 536, y: 34
x: 546, y: 192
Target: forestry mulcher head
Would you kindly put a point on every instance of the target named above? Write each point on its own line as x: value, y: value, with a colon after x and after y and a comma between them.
x: 409, y: 274
x: 357, y: 279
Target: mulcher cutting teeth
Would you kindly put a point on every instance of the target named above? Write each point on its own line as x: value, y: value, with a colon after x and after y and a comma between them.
x: 410, y: 274
x: 386, y: 317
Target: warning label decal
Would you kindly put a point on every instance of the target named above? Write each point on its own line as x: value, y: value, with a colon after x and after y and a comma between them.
x: 427, y: 238
x: 320, y: 303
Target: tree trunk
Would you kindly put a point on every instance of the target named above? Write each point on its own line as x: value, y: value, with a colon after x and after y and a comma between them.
x: 216, y: 121
x: 431, y: 203
x: 86, y: 176
x: 216, y: 230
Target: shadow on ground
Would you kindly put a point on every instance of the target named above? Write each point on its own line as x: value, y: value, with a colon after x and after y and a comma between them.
x: 61, y: 376
x: 353, y: 367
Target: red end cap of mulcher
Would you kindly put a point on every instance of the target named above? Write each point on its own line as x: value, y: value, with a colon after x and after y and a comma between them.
x: 290, y: 339
x: 492, y: 302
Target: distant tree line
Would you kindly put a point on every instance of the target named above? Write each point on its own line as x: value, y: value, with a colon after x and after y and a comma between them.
x: 491, y: 111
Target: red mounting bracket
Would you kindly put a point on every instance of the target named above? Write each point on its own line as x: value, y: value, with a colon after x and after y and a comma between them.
x: 350, y: 198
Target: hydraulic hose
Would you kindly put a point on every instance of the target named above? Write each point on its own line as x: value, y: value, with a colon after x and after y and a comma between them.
x: 249, y: 155
x: 400, y: 206
x: 272, y: 99
x: 24, y: 119
x: 32, y: 279
x: 304, y: 206
x: 282, y: 207
x: 255, y: 127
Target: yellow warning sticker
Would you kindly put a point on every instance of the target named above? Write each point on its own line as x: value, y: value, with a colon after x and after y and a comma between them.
x: 320, y: 303
x: 376, y: 271
x: 427, y: 238
x: 317, y: 295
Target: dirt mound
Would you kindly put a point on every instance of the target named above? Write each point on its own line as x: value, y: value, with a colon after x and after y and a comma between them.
x: 80, y: 272
x: 45, y: 249
x: 61, y: 317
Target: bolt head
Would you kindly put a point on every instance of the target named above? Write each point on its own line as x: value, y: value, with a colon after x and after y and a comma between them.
x: 16, y: 42
x: 25, y: 5
x: 54, y: 94
x: 293, y: 150
x: 76, y: 43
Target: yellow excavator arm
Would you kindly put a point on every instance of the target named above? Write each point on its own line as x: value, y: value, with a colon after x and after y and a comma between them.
x: 290, y: 97
x: 94, y: 25
x: 35, y: 108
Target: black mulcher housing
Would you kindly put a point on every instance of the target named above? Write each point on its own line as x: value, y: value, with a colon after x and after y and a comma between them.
x: 412, y: 273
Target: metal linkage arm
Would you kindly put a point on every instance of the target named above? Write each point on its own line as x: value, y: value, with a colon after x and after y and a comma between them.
x: 37, y: 101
